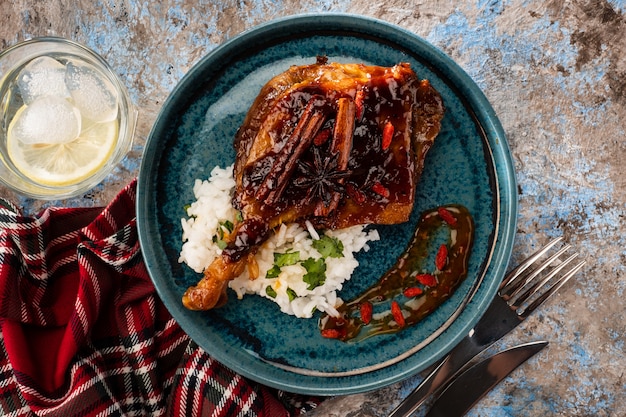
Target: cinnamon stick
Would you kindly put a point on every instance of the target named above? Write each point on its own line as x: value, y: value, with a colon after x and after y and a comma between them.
x: 310, y: 123
x: 341, y: 144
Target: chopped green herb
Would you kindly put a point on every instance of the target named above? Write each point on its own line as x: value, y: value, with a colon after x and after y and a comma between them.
x: 291, y: 294
x: 329, y: 247
x: 270, y: 291
x: 316, y: 272
x: 287, y: 258
x: 280, y: 260
x: 228, y: 225
x: 273, y: 272
x: 219, y: 238
x: 239, y: 216
x: 186, y: 207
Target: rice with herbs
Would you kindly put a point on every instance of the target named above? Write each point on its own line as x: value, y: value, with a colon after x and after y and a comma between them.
x: 300, y: 268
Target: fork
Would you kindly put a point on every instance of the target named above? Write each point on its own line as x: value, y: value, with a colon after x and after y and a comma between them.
x: 522, y: 290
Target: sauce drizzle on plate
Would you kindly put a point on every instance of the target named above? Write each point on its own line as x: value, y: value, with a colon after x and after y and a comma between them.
x: 420, y: 280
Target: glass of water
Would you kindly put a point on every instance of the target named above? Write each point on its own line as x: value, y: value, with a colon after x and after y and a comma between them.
x: 66, y: 120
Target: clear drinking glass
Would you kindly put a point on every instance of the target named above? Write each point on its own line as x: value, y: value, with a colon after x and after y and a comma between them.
x: 66, y: 120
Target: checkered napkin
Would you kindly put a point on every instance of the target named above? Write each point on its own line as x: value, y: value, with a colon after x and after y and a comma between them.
x: 82, y: 331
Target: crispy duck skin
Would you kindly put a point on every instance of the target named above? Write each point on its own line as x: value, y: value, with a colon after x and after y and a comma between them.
x: 334, y: 144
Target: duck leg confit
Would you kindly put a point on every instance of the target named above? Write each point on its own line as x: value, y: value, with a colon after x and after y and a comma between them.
x: 335, y: 144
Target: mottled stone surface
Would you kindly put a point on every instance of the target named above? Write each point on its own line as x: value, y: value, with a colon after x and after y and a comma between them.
x: 555, y: 73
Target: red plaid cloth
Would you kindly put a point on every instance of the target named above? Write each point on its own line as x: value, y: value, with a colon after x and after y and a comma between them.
x: 83, y: 332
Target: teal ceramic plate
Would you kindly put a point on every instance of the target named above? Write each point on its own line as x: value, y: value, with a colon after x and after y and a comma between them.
x: 469, y: 164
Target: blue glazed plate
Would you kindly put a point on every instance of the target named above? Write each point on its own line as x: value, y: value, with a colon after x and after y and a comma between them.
x: 469, y: 165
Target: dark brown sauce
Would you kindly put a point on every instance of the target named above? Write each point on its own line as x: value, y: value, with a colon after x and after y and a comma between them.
x: 417, y: 259
x: 248, y: 234
x: 383, y: 101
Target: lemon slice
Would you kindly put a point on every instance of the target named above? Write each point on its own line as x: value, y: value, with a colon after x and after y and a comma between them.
x: 63, y: 164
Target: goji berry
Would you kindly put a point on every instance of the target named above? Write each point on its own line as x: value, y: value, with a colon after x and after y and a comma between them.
x: 331, y: 333
x: 426, y: 279
x: 412, y: 292
x: 396, y: 312
x: 446, y: 216
x: 357, y: 195
x: 380, y: 189
x: 321, y: 137
x: 442, y: 257
x: 387, y: 135
x: 358, y: 101
x: 366, y: 310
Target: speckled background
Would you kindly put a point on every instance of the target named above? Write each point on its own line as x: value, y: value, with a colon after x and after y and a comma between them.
x: 554, y: 71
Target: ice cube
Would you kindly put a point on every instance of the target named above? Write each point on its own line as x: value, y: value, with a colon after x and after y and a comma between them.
x: 93, y: 94
x: 47, y: 120
x: 43, y: 76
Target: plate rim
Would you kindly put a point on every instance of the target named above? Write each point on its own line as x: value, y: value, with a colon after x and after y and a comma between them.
x: 346, y: 22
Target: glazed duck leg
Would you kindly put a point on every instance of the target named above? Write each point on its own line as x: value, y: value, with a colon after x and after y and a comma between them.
x: 333, y: 144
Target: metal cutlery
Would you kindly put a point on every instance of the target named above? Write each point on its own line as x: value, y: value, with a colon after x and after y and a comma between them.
x: 521, y: 292
x: 469, y: 387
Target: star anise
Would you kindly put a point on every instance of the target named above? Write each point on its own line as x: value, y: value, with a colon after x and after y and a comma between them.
x: 321, y: 178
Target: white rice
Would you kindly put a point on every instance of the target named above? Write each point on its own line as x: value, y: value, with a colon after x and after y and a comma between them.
x: 213, y: 205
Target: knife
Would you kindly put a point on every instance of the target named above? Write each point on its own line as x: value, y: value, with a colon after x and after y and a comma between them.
x: 469, y: 387
x: 484, y: 334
